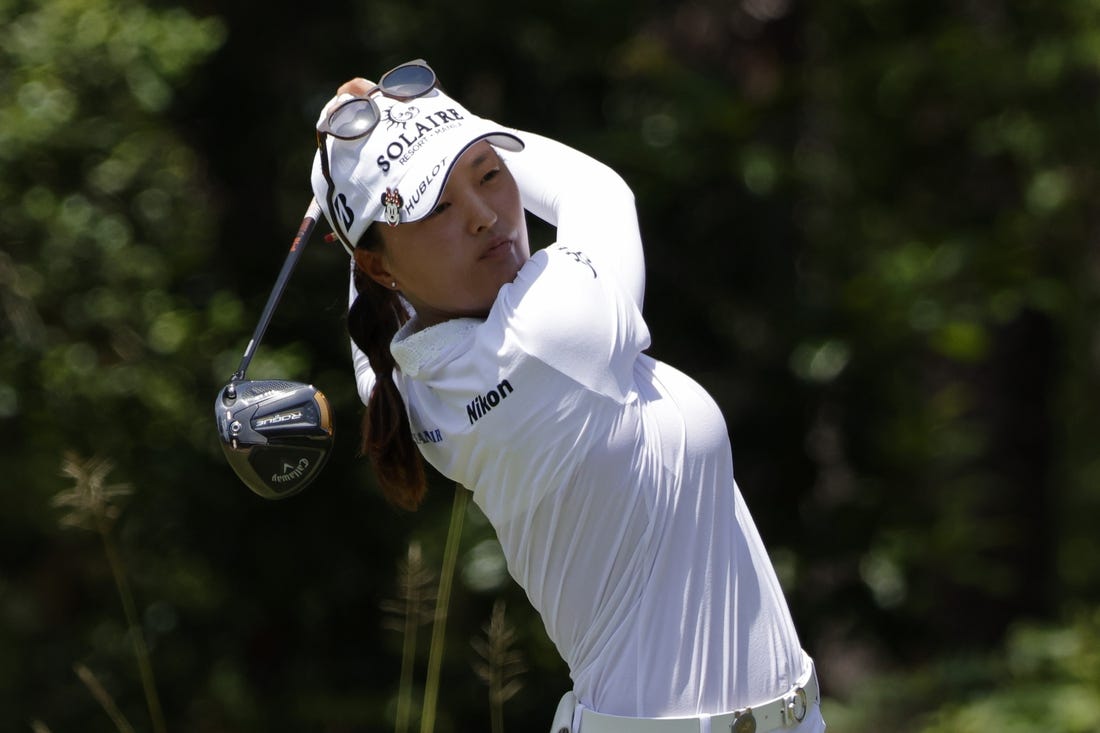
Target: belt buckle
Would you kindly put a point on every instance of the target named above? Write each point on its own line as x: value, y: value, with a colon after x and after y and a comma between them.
x: 794, y: 707
x: 743, y: 721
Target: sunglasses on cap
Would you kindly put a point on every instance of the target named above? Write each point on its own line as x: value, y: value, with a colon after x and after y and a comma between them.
x: 356, y: 118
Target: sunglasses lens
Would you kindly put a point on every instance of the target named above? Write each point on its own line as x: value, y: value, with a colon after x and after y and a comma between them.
x: 354, y: 119
x: 410, y: 80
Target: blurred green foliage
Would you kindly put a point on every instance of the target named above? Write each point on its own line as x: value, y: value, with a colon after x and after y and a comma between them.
x: 105, y: 216
x: 871, y: 234
x: 1043, y: 678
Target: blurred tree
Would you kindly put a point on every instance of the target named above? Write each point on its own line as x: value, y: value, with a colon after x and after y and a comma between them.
x: 1043, y: 678
x: 949, y: 246
x: 103, y: 218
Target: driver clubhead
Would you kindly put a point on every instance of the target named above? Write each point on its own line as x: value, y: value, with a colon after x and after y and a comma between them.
x: 275, y: 434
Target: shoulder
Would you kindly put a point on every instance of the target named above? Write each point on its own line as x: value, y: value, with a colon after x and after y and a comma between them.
x: 564, y: 311
x: 553, y: 275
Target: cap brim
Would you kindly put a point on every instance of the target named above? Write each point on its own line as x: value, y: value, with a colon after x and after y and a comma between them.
x: 496, y: 136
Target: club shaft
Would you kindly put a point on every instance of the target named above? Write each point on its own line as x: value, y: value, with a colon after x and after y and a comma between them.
x: 313, y: 213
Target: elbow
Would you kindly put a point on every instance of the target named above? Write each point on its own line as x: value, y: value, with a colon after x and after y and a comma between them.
x: 611, y: 183
x: 609, y: 188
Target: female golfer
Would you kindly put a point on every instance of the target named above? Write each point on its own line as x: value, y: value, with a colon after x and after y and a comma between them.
x: 607, y: 475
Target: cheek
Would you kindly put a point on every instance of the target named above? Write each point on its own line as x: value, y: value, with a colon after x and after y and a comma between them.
x: 511, y: 192
x: 426, y: 264
x: 407, y: 249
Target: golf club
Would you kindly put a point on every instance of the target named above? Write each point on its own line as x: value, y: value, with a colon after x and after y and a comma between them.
x: 275, y: 434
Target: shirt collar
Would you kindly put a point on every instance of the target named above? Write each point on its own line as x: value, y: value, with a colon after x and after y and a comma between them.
x: 416, y: 348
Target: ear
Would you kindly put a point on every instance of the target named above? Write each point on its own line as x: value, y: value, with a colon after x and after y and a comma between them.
x: 373, y: 263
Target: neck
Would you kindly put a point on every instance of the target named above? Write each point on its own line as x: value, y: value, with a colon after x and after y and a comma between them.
x: 425, y: 316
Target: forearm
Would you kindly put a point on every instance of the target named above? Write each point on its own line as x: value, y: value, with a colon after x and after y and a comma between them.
x: 364, y: 374
x: 589, y: 203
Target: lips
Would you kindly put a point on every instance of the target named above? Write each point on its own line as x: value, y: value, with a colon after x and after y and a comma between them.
x: 498, y: 247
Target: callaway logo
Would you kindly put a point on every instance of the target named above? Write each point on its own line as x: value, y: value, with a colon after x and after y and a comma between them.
x: 479, y: 406
x: 409, y: 140
x: 290, y: 472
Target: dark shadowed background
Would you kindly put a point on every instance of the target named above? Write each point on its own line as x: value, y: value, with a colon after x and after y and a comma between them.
x: 872, y: 234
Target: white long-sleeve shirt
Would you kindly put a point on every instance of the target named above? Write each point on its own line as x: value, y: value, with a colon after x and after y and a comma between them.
x: 607, y: 475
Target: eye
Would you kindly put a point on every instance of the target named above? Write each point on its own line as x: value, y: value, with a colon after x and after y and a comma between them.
x: 439, y: 209
x: 490, y: 175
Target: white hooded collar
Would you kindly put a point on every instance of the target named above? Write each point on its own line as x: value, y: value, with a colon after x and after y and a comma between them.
x: 415, y: 348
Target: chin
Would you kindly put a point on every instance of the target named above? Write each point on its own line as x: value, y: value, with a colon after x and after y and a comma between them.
x: 514, y: 271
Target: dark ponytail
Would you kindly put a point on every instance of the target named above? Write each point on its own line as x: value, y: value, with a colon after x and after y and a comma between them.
x: 373, y: 319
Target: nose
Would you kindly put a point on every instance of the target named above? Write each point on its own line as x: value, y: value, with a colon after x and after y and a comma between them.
x: 481, y: 214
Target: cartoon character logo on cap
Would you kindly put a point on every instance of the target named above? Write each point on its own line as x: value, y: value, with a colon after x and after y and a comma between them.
x: 391, y: 205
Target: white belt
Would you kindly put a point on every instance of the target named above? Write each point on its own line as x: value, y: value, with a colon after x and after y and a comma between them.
x: 785, y: 711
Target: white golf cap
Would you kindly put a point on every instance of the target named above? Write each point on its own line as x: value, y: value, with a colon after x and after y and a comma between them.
x: 403, y: 162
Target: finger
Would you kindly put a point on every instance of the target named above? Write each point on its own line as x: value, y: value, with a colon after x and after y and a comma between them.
x: 357, y: 86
